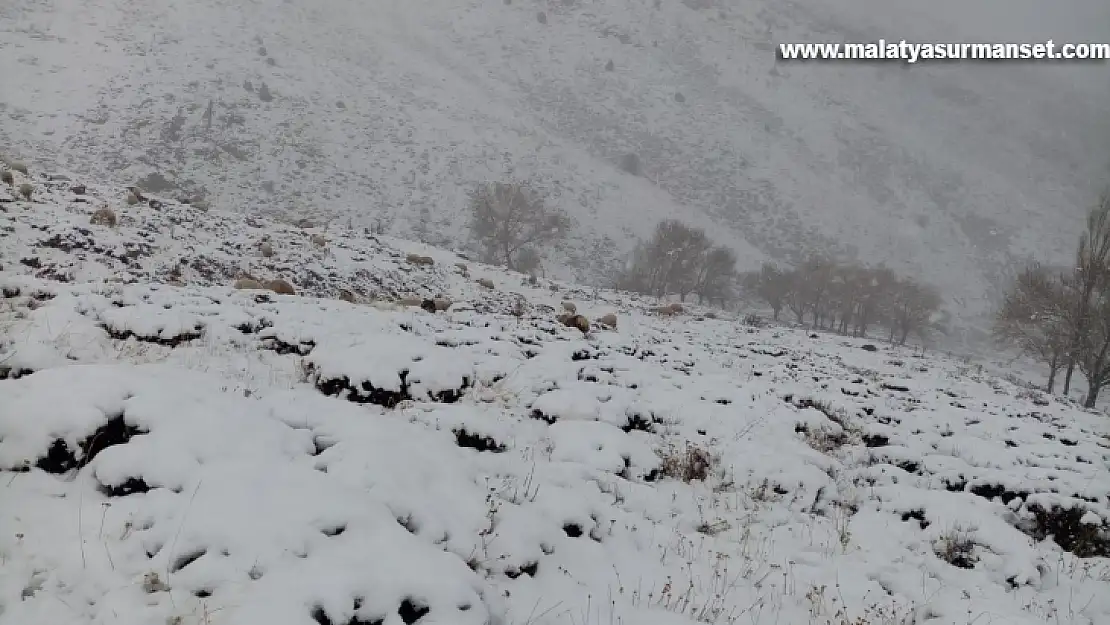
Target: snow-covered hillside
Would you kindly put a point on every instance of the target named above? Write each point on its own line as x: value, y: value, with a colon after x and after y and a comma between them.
x: 175, y: 450
x: 388, y: 110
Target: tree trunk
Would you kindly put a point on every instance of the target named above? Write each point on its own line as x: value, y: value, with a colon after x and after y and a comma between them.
x: 1067, y: 376
x: 1092, y: 395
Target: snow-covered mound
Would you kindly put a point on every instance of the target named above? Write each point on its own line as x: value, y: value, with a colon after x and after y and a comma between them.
x: 397, y: 442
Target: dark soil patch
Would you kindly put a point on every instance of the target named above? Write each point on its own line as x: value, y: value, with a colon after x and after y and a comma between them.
x: 173, y: 341
x: 274, y: 344
x: 529, y: 569
x: 367, y: 393
x: 477, y: 442
x: 412, y: 610
x: 916, y: 515
x: 61, y: 459
x: 875, y: 440
x: 1066, y: 530
x: 990, y: 491
x: 130, y: 486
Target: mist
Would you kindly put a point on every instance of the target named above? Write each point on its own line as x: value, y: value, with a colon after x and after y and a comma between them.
x: 386, y: 114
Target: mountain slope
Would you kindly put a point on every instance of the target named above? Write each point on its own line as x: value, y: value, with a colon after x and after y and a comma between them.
x: 386, y: 111
x: 193, y: 453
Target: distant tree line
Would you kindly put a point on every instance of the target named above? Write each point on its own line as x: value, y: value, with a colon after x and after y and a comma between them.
x: 1061, y: 316
x: 511, y: 222
x: 847, y: 298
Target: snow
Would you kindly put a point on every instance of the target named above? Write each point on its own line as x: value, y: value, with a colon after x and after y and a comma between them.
x: 190, y: 453
x: 924, y: 167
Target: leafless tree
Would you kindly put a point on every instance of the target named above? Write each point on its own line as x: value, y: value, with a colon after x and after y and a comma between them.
x: 716, y: 276
x: 509, y: 217
x: 1091, y: 268
x: 674, y: 261
x: 770, y: 284
x: 913, y: 307
x: 1034, y: 317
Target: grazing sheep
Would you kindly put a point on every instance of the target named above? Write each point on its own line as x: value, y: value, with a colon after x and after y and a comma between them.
x: 486, y: 282
x: 7, y: 177
x: 608, y: 320
x: 18, y: 166
x: 575, y: 321
x: 104, y: 217
x: 410, y: 300
x: 319, y: 240
x: 267, y: 250
x: 570, y: 307
x: 26, y: 190
x: 281, y: 287
x: 248, y: 284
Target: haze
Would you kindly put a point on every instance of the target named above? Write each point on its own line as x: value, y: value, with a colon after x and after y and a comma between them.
x: 386, y: 113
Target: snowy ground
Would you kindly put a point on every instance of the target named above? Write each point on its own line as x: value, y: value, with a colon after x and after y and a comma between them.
x: 192, y: 453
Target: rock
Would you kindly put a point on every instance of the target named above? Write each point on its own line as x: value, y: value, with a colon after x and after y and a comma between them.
x: 155, y: 204
x: 304, y: 223
x: 18, y: 166
x: 869, y: 348
x: 609, y: 66
x: 462, y: 267
x: 570, y: 307
x: 541, y: 17
x: 138, y: 193
x: 267, y: 250
x: 281, y: 287
x: 417, y: 259
x: 347, y: 296
x: 486, y: 282
x: 247, y: 283
x: 442, y: 303
x: 410, y: 300
x: 319, y: 240
x: 428, y: 305
x: 104, y: 217
x: 78, y: 189
x: 609, y: 320
x: 26, y: 190
x: 201, y: 205
x: 132, y: 199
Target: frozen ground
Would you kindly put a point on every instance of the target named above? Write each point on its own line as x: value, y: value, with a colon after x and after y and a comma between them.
x: 174, y: 450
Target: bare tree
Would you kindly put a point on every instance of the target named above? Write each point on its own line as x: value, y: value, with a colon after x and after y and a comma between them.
x: 672, y: 261
x: 1092, y: 260
x: 508, y: 217
x: 1034, y: 317
x: 913, y: 308
x: 716, y: 275
x: 1092, y: 356
x: 771, y: 284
